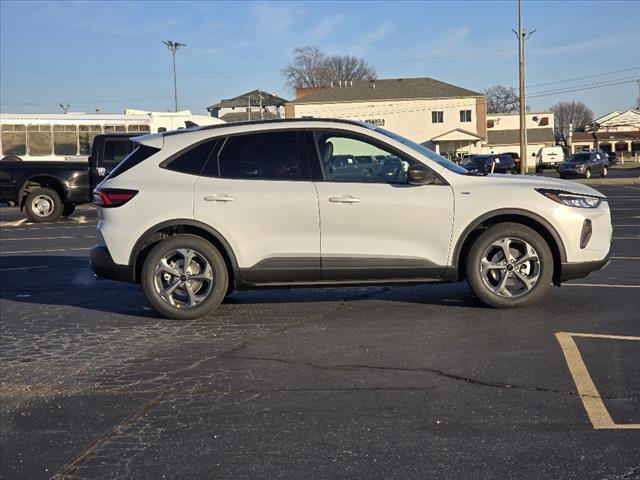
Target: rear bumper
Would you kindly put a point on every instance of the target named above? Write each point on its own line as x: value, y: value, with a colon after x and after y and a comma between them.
x: 104, y: 267
x: 571, y: 271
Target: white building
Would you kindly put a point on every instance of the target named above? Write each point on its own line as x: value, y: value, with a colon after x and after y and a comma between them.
x: 503, y: 132
x: 614, y: 132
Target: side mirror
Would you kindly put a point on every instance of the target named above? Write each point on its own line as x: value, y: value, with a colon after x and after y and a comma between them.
x: 420, y: 175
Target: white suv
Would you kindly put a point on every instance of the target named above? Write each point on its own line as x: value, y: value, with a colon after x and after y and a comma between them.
x: 196, y: 213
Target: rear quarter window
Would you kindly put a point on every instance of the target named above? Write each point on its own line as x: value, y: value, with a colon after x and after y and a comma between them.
x: 139, y: 155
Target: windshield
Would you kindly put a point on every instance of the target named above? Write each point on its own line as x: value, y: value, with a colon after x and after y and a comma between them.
x: 476, y: 161
x: 430, y: 154
x: 580, y: 157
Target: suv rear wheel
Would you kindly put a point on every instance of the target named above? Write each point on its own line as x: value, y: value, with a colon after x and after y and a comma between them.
x: 184, y: 277
x: 510, y: 265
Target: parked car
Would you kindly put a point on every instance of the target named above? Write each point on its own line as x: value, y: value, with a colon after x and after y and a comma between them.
x: 613, y: 157
x: 48, y: 190
x: 585, y: 164
x: 493, y: 163
x: 549, y: 157
x: 194, y: 214
x: 516, y: 160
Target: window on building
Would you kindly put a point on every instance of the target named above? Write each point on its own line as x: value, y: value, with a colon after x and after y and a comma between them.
x: 39, y: 140
x: 622, y: 147
x: 348, y: 159
x: 14, y: 139
x: 193, y: 160
x: 116, y: 149
x: 86, y: 136
x: 465, y: 115
x: 261, y: 156
x: 65, y: 139
x: 544, y: 121
x: 491, y: 123
x: 437, y: 117
x: 161, y: 129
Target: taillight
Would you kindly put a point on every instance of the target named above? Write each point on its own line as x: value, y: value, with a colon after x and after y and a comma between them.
x: 112, y: 197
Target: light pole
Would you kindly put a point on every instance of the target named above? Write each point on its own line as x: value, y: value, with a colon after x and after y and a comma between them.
x: 522, y: 36
x: 174, y: 46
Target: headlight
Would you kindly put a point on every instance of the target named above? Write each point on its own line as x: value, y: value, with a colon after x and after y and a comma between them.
x: 580, y: 168
x: 570, y: 199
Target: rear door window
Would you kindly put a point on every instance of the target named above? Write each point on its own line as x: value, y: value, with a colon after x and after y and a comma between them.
x: 262, y: 156
x: 193, y: 159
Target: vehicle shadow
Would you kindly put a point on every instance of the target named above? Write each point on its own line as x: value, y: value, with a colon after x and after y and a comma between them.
x: 67, y: 280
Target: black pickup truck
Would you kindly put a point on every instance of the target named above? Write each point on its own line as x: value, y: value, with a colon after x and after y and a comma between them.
x: 49, y: 190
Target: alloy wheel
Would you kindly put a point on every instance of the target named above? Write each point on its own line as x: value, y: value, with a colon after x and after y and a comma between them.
x: 183, y: 278
x: 510, y: 267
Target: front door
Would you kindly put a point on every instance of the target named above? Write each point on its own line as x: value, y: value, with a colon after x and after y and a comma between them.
x: 259, y: 195
x: 374, y: 225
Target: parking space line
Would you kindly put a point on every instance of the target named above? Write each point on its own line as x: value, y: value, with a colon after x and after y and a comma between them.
x: 602, y: 285
x: 625, y: 258
x: 637, y: 237
x: 22, y: 268
x: 591, y: 399
x: 46, y: 238
x: 48, y: 250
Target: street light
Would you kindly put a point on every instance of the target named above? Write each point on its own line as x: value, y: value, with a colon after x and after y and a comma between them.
x: 174, y: 46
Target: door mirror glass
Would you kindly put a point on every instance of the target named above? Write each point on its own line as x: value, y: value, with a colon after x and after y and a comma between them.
x: 421, y: 175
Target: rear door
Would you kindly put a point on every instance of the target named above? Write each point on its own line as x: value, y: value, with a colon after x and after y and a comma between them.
x: 374, y: 225
x: 256, y: 190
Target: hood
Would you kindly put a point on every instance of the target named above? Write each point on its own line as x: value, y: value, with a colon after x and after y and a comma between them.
x: 534, y: 181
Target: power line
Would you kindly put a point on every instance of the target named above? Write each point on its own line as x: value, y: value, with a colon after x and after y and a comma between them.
x: 583, y: 87
x: 583, y: 78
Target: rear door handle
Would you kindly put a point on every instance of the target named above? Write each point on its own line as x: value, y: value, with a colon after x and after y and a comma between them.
x: 218, y: 197
x: 344, y: 199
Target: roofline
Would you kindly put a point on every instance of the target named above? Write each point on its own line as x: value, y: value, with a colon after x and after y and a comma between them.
x: 269, y: 121
x: 295, y: 102
x: 518, y: 113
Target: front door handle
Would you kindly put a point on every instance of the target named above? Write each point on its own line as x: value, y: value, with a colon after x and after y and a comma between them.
x: 218, y: 197
x: 344, y: 199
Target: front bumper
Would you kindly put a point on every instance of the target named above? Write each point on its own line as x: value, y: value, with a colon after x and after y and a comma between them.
x: 570, y: 173
x: 573, y: 270
x: 104, y: 267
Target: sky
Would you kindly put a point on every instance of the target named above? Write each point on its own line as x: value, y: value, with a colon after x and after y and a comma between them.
x: 110, y: 56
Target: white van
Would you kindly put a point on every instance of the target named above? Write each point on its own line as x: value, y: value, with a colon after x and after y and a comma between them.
x: 549, y: 157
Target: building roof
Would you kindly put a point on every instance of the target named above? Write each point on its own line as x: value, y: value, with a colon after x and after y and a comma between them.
x: 606, y: 136
x: 457, y: 134
x: 388, y: 89
x: 512, y: 137
x: 620, y: 119
x: 268, y: 100
x: 242, y: 116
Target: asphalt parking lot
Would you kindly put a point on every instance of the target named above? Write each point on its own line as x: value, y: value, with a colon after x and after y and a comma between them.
x: 401, y: 382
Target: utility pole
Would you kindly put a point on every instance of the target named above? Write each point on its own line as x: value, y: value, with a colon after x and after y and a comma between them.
x: 522, y: 36
x: 248, y: 107
x: 174, y: 46
x: 260, y: 101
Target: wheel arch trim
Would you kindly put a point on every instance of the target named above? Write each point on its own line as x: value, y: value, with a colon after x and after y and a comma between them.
x: 145, y: 240
x: 455, y: 257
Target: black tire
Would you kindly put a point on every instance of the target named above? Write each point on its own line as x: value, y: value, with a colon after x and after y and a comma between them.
x: 538, y: 169
x: 218, y: 287
x: 587, y: 174
x: 68, y: 209
x: 43, y: 205
x: 484, y: 243
x: 509, y: 171
x: 605, y: 171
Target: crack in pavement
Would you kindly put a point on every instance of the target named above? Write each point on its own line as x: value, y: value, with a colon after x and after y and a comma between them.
x: 68, y: 469
x: 440, y: 373
x: 629, y: 474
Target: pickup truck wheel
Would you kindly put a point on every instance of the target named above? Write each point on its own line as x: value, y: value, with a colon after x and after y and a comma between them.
x: 43, y: 205
x: 68, y: 209
x: 184, y: 277
x: 509, y: 266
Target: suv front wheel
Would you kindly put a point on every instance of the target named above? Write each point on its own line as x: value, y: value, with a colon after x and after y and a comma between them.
x: 509, y: 265
x: 184, y: 277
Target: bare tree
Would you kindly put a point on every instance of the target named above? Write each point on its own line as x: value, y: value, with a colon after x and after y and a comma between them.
x: 347, y: 67
x: 311, y: 67
x: 502, y: 99
x: 575, y: 113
